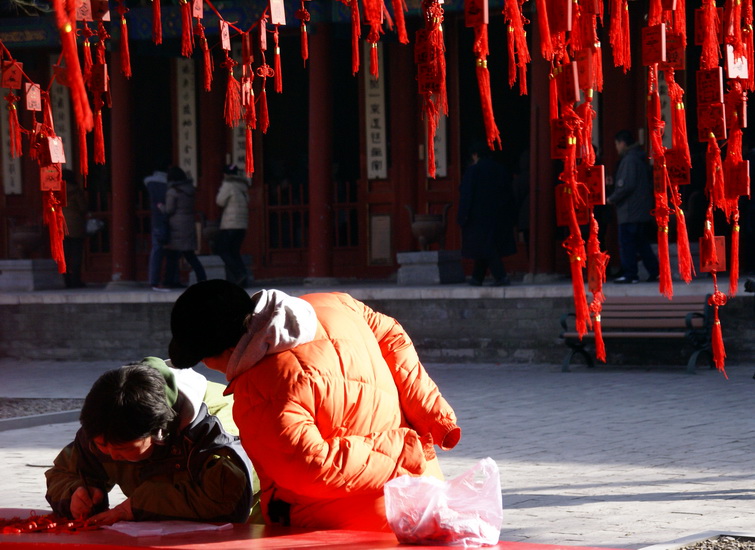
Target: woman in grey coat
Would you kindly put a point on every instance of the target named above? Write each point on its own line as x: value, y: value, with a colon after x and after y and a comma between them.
x: 179, y: 206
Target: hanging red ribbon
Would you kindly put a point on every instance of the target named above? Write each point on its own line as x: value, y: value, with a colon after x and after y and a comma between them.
x: 597, y: 261
x: 618, y: 34
x: 232, y: 105
x: 56, y: 225
x: 431, y: 65
x: 187, y: 30
x: 125, y: 54
x: 13, y: 125
x: 157, y: 23
x: 519, y: 54
x: 303, y: 16
x: 277, y: 63
x: 66, y: 22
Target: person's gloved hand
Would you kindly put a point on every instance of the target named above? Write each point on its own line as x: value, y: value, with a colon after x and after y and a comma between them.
x: 83, y: 501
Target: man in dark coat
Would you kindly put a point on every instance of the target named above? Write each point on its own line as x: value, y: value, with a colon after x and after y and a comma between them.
x: 487, y: 212
x: 633, y: 198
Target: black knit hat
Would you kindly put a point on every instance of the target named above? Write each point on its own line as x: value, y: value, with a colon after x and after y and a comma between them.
x: 207, y: 319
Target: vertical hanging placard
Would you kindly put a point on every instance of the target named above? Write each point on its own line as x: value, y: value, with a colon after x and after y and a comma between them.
x: 440, y: 144
x: 11, y: 166
x: 60, y: 103
x: 186, y: 119
x: 374, y: 111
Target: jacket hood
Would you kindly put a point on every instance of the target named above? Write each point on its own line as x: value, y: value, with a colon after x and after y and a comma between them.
x: 186, y: 186
x: 278, y: 323
x: 184, y: 389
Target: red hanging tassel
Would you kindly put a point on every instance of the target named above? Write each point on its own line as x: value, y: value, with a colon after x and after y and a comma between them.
x: 734, y: 262
x: 586, y: 113
x: 716, y: 300
x: 711, y: 53
x: 597, y: 59
x: 83, y: 152
x: 187, y: 30
x: 618, y: 34
x: 232, y: 106
x: 157, y: 23
x: 679, y: 141
x: 679, y: 21
x: 207, y: 57
x: 661, y: 213
x: 125, y: 54
x: 600, y: 346
x: 429, y: 45
x: 356, y: 33
x: 67, y: 27
x: 596, y: 276
x: 553, y: 97
x: 519, y: 55
x: 747, y: 37
x: 733, y: 27
x: 278, y: 78
x: 303, y: 15
x: 480, y: 47
x: 374, y: 60
x: 546, y: 46
x: 714, y: 184
x: 686, y: 269
x: 56, y: 223
x: 13, y: 126
x: 399, y: 7
x: 86, y: 49
x: 99, y: 138
x: 250, y: 125
x: 262, y: 116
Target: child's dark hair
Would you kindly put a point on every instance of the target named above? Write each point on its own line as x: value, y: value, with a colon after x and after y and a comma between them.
x: 126, y: 404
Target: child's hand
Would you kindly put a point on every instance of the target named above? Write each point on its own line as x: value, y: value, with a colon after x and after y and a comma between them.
x: 83, y: 500
x: 122, y: 512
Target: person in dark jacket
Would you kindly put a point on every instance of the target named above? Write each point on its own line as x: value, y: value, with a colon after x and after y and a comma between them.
x: 487, y: 214
x: 75, y: 212
x: 633, y: 198
x: 147, y: 428
x: 157, y: 186
x: 179, y: 206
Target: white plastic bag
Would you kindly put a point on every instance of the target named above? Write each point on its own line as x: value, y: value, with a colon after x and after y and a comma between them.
x: 464, y: 511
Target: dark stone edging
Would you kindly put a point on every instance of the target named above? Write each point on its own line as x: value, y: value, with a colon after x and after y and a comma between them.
x: 21, y: 422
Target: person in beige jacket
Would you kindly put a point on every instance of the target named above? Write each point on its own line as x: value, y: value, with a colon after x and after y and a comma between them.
x: 233, y: 198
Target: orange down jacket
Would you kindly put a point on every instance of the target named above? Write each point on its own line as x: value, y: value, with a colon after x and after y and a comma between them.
x: 327, y: 422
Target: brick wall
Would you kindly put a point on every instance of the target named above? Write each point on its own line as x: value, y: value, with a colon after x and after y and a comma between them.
x: 491, y: 330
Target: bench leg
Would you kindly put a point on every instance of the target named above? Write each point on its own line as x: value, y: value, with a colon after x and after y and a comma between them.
x: 692, y: 363
x: 570, y: 356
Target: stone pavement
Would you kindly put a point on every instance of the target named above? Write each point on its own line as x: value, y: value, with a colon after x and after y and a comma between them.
x: 611, y: 457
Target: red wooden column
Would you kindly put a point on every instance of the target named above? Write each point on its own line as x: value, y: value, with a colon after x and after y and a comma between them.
x: 121, y: 174
x: 320, y: 152
x: 543, y: 246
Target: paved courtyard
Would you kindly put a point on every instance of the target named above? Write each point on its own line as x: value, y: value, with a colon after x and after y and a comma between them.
x: 613, y: 457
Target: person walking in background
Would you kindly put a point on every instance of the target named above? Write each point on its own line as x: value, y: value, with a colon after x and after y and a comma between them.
x: 487, y: 215
x: 157, y: 187
x: 179, y: 207
x: 233, y: 198
x: 74, y: 212
x: 633, y: 198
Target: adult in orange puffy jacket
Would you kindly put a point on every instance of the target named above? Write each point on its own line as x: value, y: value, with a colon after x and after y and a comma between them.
x: 330, y: 398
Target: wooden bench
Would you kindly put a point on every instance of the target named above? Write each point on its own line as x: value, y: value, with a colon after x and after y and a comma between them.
x: 645, y: 318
